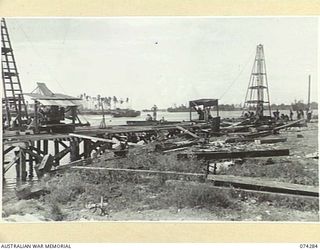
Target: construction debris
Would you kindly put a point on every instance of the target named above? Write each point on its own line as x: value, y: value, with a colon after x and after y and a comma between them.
x: 256, y: 140
x: 187, y: 132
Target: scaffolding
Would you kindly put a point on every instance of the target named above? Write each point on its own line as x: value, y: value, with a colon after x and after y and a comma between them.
x: 257, y: 96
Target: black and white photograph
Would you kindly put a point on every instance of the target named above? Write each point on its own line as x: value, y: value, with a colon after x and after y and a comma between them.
x: 160, y: 119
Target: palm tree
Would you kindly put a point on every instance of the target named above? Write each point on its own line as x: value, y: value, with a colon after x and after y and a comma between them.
x: 115, y: 101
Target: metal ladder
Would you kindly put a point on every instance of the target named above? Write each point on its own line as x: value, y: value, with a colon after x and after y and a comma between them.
x: 13, y: 103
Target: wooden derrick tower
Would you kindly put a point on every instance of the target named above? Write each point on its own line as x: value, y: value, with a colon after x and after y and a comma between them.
x: 257, y: 96
x: 13, y: 103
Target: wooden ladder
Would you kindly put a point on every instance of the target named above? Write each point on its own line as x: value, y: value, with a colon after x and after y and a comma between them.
x: 13, y: 104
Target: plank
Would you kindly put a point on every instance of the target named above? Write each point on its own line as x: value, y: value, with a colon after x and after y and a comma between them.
x: 141, y: 171
x: 39, y: 151
x: 187, y: 132
x: 81, y: 131
x: 46, y: 163
x: 12, y: 162
x: 237, y: 128
x: 174, y: 150
x: 61, y: 154
x: 91, y: 138
x: 208, y: 155
x: 7, y: 150
x: 175, y: 145
x: 270, y: 140
x: 38, y: 157
x: 63, y: 144
x: 252, y: 183
x: 262, y: 140
x: 214, y: 188
x: 288, y: 124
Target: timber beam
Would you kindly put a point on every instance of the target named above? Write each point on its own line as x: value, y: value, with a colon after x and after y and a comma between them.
x: 210, y: 155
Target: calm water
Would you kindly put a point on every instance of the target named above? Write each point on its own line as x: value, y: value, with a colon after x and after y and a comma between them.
x: 169, y: 116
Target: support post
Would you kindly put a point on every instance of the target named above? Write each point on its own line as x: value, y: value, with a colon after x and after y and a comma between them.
x: 31, y: 159
x: 22, y: 164
x: 17, y: 165
x: 45, y: 147
x: 30, y: 166
x: 217, y: 109
x: 56, y: 151
x: 74, y: 154
x: 73, y: 114
x: 86, y: 148
x: 36, y: 125
x: 3, y: 169
x: 39, y: 149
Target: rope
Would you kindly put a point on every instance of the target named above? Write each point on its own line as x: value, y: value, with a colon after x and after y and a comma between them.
x: 237, y: 77
x: 41, y: 59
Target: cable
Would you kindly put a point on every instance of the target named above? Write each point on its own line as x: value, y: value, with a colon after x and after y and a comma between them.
x: 41, y: 59
x: 246, y: 64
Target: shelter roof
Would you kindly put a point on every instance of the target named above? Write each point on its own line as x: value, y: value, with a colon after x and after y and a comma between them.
x: 206, y: 102
x: 46, y: 97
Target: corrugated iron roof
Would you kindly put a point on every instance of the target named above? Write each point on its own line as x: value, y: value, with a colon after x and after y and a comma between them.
x: 63, y: 103
x: 205, y: 102
x: 55, y: 97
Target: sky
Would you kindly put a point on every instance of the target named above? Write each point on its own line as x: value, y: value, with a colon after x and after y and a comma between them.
x: 166, y: 61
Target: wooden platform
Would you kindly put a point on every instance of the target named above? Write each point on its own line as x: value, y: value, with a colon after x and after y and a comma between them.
x: 93, y: 131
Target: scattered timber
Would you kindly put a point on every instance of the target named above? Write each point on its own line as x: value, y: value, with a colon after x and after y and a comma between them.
x: 290, y: 124
x: 246, y: 183
x: 235, y: 128
x: 174, y: 150
x: 187, y: 132
x: 91, y: 138
x: 210, y: 155
x: 263, y: 185
x: 260, y: 140
x: 262, y: 131
x: 175, y: 145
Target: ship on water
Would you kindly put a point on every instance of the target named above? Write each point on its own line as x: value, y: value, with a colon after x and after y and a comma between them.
x: 181, y: 108
x: 125, y: 113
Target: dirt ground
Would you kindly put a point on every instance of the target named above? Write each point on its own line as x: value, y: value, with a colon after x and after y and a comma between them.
x: 132, y: 198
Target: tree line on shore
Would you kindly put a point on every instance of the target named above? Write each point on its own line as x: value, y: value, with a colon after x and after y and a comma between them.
x: 296, y: 105
x: 106, y: 101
